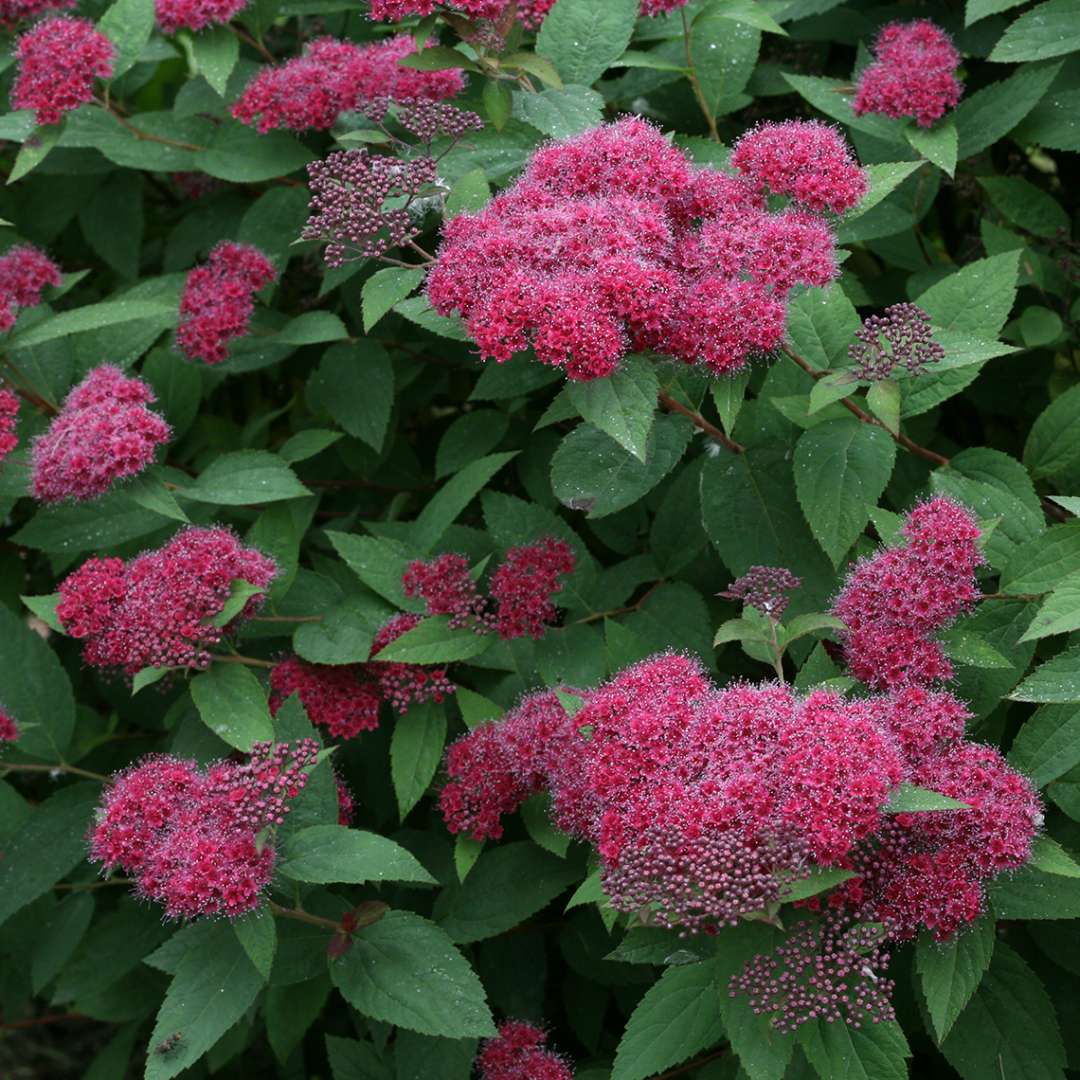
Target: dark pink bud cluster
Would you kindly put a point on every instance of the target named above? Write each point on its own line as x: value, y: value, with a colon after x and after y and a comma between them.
x: 346, y: 802
x: 339, y: 699
x: 520, y: 589
x: 331, y: 77
x: 913, y: 74
x: 401, y: 684
x: 519, y: 1052
x: 218, y: 300
x: 173, y: 15
x: 765, y: 588
x: 428, y: 119
x: 157, y: 609
x: 14, y: 11
x: 611, y: 242
x: 900, y: 337
x: 103, y: 433
x: 58, y: 61
x: 198, y: 842
x: 195, y: 185
x: 24, y: 273
x: 825, y: 970
x: 894, y: 602
x: 396, y: 10
x: 9, y: 418
x: 9, y: 729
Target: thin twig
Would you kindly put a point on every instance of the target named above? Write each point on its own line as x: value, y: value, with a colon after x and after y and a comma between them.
x: 146, y: 136
x: 257, y: 45
x: 637, y: 606
x: 1012, y: 596
x: 697, y: 1062
x: 38, y: 1021
x: 236, y: 658
x: 286, y: 618
x: 71, y: 770
x: 669, y: 403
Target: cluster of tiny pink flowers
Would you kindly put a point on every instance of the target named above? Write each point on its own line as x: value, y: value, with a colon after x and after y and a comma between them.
x: 611, y: 241
x: 519, y: 1052
x: 403, y: 684
x: 192, y: 839
x: 9, y: 418
x: 9, y: 729
x: 520, y: 590
x: 900, y: 337
x: 218, y: 300
x: 157, y: 609
x: 14, y: 11
x: 24, y: 273
x: 765, y: 588
x: 337, y: 698
x: 894, y: 602
x: 58, y: 61
x: 530, y: 13
x: 331, y: 77
x: 346, y: 802
x: 103, y: 433
x: 913, y: 74
x: 173, y: 15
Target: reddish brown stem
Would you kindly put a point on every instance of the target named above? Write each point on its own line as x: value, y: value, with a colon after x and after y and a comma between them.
x: 699, y: 421
x: 71, y: 770
x: 286, y: 618
x: 598, y: 615
x: 236, y: 658
x: 146, y: 136
x: 37, y: 1021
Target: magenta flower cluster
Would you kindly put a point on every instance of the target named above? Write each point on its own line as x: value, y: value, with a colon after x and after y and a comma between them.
x: 336, y: 697
x: 9, y: 728
x: 331, y: 77
x: 895, y: 602
x: 9, y: 418
x: 58, y: 61
x: 103, y: 433
x: 612, y: 242
x: 913, y: 74
x: 191, y: 838
x: 174, y: 15
x: 519, y: 1052
x: 157, y: 609
x: 15, y: 11
x: 219, y: 299
x: 24, y: 273
x: 530, y: 13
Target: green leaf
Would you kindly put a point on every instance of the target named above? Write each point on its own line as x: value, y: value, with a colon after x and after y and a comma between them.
x: 1050, y: 29
x: 821, y: 879
x: 950, y: 972
x: 453, y: 497
x: 257, y: 935
x: 404, y: 970
x: 938, y: 144
x: 972, y: 650
x: 885, y: 178
x: 1053, y: 443
x: 536, y: 65
x: 883, y: 400
x: 306, y: 444
x: 384, y: 289
x: 92, y: 317
x: 1051, y: 858
x: 752, y: 14
x: 590, y: 471
x: 740, y: 630
x: 498, y: 103
x: 466, y: 852
x: 977, y: 298
x: 475, y: 708
x: 677, y: 1018
x: 355, y: 385
x: 909, y: 799
x: 870, y: 1052
x: 213, y: 987
x: 242, y: 156
x: 34, y: 150
x: 332, y: 853
x: 559, y: 113
x: 1059, y: 613
x: 821, y: 325
x: 974, y: 10
x: 1055, y: 682
x: 216, y: 51
x: 418, y: 309
x: 1026, y: 205
x: 415, y: 752
x: 232, y: 704
x: 1030, y: 893
x: 841, y: 469
x: 35, y: 690
x: 1045, y: 561
x: 623, y: 405
x: 583, y: 39
x: 149, y: 492
x: 507, y: 885
x: 1008, y: 1028
x: 240, y: 592
x: 469, y: 437
x: 128, y: 24
x: 728, y: 395
x: 44, y: 607
x: 536, y: 817
x: 1039, y: 326
x: 469, y: 194
x: 46, y: 847
x: 432, y: 641
x: 1048, y: 745
x: 245, y: 478
x: 344, y: 635
x: 724, y: 58
x: 148, y: 676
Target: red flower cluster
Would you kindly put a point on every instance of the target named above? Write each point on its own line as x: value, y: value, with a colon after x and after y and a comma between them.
x: 331, y: 77
x: 9, y: 730
x: 218, y: 300
x: 530, y: 13
x: 518, y: 1053
x: 337, y: 698
x: 9, y: 417
x: 346, y: 802
x: 173, y: 15
x: 103, y: 433
x: 13, y: 11
x: 401, y: 684
x: 520, y: 590
x: 895, y: 601
x: 59, y: 59
x: 611, y: 242
x: 189, y: 837
x: 157, y: 609
x: 913, y: 74
x: 24, y: 272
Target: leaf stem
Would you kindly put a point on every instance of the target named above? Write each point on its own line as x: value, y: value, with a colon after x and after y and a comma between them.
x: 287, y: 618
x: 669, y: 403
x: 257, y: 45
x: 236, y: 658
x: 72, y: 770
x: 145, y: 136
x: 695, y: 82
x: 1012, y: 596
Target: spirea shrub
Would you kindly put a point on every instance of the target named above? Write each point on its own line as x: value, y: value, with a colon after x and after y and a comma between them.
x: 539, y: 540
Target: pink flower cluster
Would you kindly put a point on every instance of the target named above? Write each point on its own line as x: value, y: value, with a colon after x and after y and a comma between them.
x: 530, y: 13
x: 519, y: 1052
x: 611, y: 241
x: 337, y: 698
x: 9, y: 729
x: 218, y: 300
x: 58, y: 61
x: 331, y: 77
x: 9, y: 418
x: 103, y: 433
x: 173, y: 15
x: 192, y: 838
x: 894, y: 602
x: 520, y: 589
x: 157, y: 609
x: 24, y: 272
x: 913, y: 74
x: 14, y: 11
x: 705, y: 804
